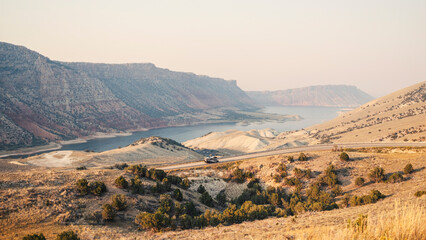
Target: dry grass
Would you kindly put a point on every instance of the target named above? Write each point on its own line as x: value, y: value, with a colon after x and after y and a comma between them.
x: 405, y: 222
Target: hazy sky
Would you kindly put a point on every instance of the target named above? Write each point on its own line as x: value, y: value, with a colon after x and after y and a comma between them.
x: 379, y: 46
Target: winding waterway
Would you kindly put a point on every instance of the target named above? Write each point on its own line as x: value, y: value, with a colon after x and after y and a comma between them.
x: 310, y: 115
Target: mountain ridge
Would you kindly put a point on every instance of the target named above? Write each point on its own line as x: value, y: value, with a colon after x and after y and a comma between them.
x: 45, y: 100
x: 318, y: 95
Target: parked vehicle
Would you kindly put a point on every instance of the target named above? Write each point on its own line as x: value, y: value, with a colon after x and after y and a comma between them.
x: 211, y: 159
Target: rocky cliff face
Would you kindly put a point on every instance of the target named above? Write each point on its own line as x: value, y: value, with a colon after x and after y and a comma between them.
x: 326, y: 95
x: 44, y: 100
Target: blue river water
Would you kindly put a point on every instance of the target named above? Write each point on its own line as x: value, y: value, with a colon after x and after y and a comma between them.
x: 310, y: 115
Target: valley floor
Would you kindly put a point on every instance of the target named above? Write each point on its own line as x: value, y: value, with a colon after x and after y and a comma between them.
x: 26, y: 190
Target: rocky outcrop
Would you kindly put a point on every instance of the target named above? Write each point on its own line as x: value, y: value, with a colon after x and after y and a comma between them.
x: 44, y: 100
x: 326, y: 95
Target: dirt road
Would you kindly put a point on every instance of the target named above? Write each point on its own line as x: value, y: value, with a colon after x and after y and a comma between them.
x: 292, y: 150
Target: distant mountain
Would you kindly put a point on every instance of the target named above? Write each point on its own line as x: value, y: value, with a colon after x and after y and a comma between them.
x: 399, y: 116
x: 44, y: 100
x: 325, y: 95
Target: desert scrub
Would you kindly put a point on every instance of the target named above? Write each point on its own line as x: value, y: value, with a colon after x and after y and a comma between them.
x: 136, y: 186
x: 97, y: 188
x: 121, y: 182
x: 292, y: 181
x: 67, y: 235
x: 373, y: 197
x: 83, y: 187
x: 238, y: 175
x: 302, y: 173
x: 120, y: 166
x: 119, y: 202
x: 419, y: 193
x: 303, y: 157
x: 359, y: 181
x: 408, y: 169
x: 395, y: 178
x: 329, y: 177
x: 108, y: 212
x: 35, y: 236
x: 377, y: 174
x: 344, y: 157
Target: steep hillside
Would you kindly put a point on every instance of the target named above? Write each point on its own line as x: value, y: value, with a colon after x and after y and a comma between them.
x: 400, y: 116
x: 327, y: 95
x: 44, y: 100
x: 161, y: 92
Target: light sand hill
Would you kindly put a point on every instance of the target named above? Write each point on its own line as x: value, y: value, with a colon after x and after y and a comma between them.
x: 235, y: 141
x: 151, y: 151
x: 400, y: 116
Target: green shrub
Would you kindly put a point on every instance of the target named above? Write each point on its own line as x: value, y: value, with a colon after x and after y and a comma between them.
x: 81, y: 168
x: 119, y: 202
x: 221, y: 198
x: 155, y: 221
x: 138, y: 170
x: 419, y: 193
x: 329, y: 177
x: 290, y: 159
x: 97, y: 188
x: 408, y: 169
x: 177, y: 194
x: 201, y: 189
x: 34, y: 237
x: 377, y: 174
x: 303, y: 157
x: 373, y: 197
x: 206, y: 199
x: 344, y: 157
x: 337, y: 190
x: 108, y: 212
x: 239, y: 176
x: 175, y: 180
x: 395, y: 178
x: 301, y: 173
x: 359, y: 181
x: 185, y: 183
x: 136, y: 186
x: 292, y: 181
x: 121, y: 166
x: 82, y: 186
x: 157, y: 174
x: 185, y: 221
x: 166, y: 204
x: 121, y: 182
x: 277, y: 178
x: 67, y: 235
